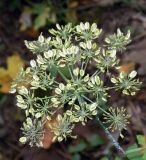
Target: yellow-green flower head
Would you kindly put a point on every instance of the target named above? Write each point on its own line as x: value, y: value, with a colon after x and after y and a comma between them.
x: 117, y: 118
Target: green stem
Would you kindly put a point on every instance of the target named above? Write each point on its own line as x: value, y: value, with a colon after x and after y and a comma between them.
x: 97, y: 106
x: 96, y: 72
x: 70, y: 73
x: 109, y: 135
x: 111, y: 138
x: 61, y: 74
x: 56, y: 82
x: 86, y: 64
x: 44, y: 97
x: 82, y: 66
x: 109, y: 88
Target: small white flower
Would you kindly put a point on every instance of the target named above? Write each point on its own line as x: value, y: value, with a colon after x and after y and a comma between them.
x: 41, y: 38
x: 128, y: 35
x: 113, y: 80
x: 89, y: 45
x: 58, y: 26
x: 76, y: 72
x: 48, y: 54
x: 61, y: 86
x: 119, y: 33
x: 82, y: 26
x: 113, y: 53
x: 86, y: 78
x: 38, y: 115
x: 23, y: 90
x: 132, y: 74
x: 83, y: 45
x: 87, y: 25
x: 93, y: 106
x: 35, y: 77
x: 58, y: 91
x: 93, y: 27
x: 23, y: 139
x: 13, y: 90
x: 97, y: 80
x: 122, y: 75
x: 29, y: 121
x: 33, y: 63
x: 40, y: 59
x: 82, y: 72
x: 21, y: 105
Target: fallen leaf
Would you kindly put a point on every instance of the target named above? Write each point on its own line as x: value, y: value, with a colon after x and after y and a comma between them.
x: 127, y: 67
x: 48, y: 135
x: 31, y: 32
x: 72, y: 4
x: 14, y: 63
x: 25, y: 19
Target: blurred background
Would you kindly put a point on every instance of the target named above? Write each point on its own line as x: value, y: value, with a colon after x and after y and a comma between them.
x: 24, y: 20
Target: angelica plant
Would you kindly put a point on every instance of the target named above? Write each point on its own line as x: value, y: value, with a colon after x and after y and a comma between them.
x: 44, y: 91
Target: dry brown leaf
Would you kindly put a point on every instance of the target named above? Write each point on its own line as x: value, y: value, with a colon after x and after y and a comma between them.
x: 72, y: 4
x: 127, y: 67
x: 48, y: 135
x: 31, y: 32
x: 14, y: 63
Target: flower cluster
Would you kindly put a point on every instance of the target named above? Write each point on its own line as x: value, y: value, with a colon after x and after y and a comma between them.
x: 118, y: 41
x: 58, y: 83
x: 127, y: 83
x: 39, y: 46
x: 117, y: 118
x: 32, y: 132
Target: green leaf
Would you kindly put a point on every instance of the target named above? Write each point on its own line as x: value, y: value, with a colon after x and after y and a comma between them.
x: 95, y: 140
x: 40, y: 20
x: 53, y: 71
x: 76, y: 157
x: 118, y: 158
x: 39, y: 8
x: 43, y: 13
x: 133, y: 153
x: 141, y: 139
x: 78, y: 147
x: 65, y: 71
x: 104, y: 158
x: 144, y: 156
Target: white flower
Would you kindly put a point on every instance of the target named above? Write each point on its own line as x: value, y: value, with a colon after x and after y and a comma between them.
x: 132, y: 74
x: 23, y: 139
x: 33, y: 63
x: 58, y: 26
x: 93, y: 106
x: 23, y: 90
x: 40, y: 59
x: 41, y: 38
x: 76, y: 72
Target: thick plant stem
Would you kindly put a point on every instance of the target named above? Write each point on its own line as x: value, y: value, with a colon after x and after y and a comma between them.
x: 113, y: 141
